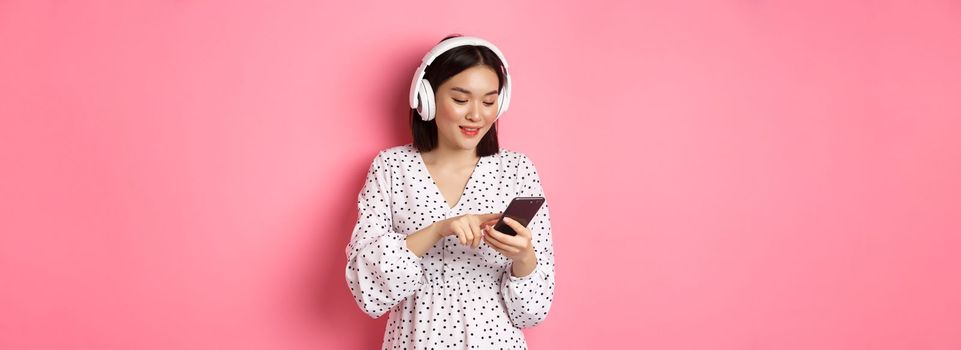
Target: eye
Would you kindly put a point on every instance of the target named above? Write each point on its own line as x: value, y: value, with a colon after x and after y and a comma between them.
x: 459, y: 101
x: 489, y: 103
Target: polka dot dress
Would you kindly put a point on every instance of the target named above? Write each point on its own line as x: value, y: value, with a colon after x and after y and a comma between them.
x: 455, y: 296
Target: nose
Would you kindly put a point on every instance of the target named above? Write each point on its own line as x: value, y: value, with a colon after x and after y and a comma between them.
x: 474, y: 114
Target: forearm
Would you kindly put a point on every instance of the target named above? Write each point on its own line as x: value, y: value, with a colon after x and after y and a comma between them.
x: 528, y: 294
x: 421, y: 241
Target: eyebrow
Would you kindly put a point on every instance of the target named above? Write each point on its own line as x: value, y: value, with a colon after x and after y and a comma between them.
x: 468, y: 91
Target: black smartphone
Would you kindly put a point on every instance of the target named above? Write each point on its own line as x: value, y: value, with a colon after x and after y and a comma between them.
x: 522, y: 210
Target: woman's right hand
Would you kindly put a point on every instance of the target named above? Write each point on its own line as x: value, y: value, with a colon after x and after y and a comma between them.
x: 467, y: 227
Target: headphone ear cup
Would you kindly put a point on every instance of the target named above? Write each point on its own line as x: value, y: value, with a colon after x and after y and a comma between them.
x: 501, y: 105
x: 504, y: 99
x: 426, y: 96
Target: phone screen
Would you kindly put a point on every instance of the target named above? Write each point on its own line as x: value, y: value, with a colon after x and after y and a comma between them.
x: 522, y: 210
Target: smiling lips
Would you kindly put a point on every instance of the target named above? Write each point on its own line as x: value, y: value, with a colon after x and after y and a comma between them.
x: 469, y: 131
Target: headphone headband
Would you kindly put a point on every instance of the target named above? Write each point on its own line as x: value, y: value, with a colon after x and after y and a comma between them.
x: 451, y: 43
x: 418, y: 84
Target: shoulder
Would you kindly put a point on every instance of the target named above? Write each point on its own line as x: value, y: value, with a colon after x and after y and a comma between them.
x: 514, y: 159
x: 395, y: 155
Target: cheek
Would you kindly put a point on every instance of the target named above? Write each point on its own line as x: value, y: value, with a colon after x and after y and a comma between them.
x: 449, y: 110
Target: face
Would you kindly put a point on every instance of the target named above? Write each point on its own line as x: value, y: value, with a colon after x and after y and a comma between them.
x: 466, y: 102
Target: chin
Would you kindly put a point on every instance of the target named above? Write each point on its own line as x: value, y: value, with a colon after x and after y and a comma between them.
x: 468, y: 144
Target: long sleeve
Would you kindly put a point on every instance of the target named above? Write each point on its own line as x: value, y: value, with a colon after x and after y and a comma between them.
x: 529, y: 298
x: 381, y: 271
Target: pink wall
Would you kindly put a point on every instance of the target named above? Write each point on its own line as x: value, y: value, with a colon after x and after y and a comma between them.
x: 723, y: 174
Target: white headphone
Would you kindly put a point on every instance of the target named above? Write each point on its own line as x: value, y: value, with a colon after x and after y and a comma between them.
x: 421, y: 93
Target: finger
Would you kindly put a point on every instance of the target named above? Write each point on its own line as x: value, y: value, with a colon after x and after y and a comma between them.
x: 493, y: 234
x: 488, y: 217
x: 460, y: 234
x: 520, y: 229
x: 501, y: 246
x: 468, y: 233
x: 502, y: 238
x: 500, y: 251
x: 476, y: 235
x: 477, y: 240
x: 483, y: 232
x: 489, y: 235
x: 484, y: 235
x: 506, y: 238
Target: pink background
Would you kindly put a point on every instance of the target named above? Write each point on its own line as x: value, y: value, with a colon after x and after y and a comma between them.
x: 723, y: 174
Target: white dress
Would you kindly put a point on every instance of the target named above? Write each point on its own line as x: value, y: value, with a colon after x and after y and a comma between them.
x: 455, y: 296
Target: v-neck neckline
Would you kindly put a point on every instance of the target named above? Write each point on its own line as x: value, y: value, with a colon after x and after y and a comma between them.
x: 470, y: 181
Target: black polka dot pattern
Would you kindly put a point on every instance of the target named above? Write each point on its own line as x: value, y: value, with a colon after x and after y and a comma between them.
x: 453, y: 297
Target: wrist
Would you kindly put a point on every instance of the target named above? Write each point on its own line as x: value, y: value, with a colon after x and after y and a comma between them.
x: 435, y: 230
x: 523, y: 266
x: 528, y: 258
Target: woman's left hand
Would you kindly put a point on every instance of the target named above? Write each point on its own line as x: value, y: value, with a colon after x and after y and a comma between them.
x: 517, y: 248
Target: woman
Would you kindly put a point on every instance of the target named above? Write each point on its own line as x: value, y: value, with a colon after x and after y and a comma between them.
x: 423, y: 246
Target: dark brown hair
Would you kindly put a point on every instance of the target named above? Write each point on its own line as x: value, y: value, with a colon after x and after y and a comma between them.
x: 445, y: 66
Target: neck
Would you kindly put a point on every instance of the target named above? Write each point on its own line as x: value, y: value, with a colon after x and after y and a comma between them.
x: 449, y: 155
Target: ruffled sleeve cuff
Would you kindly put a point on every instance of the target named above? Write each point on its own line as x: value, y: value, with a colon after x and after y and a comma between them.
x: 512, y: 278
